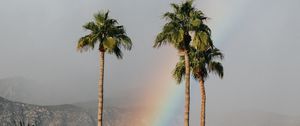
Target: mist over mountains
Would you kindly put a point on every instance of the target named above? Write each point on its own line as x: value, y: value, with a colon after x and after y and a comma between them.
x: 17, y: 92
x: 22, y: 90
x: 72, y: 115
x: 21, y: 94
x: 253, y: 118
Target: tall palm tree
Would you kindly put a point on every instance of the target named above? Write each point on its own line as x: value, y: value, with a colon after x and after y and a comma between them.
x: 184, y: 23
x: 202, y: 62
x: 110, y: 37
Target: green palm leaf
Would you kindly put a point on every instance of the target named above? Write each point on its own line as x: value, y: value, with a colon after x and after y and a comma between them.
x: 105, y: 31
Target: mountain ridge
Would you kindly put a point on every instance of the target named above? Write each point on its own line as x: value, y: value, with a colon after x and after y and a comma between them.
x: 11, y: 113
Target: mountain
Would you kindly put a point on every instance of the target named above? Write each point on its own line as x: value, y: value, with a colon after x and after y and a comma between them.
x: 14, y: 113
x: 121, y: 111
x: 124, y: 115
x: 82, y: 114
x: 117, y: 111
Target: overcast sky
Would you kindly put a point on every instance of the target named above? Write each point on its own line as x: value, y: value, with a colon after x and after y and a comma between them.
x: 260, y: 40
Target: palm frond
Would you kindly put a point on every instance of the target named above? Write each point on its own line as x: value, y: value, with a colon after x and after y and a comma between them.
x: 125, y: 41
x: 160, y: 40
x: 217, y: 68
x: 99, y: 18
x: 117, y: 51
x: 91, y: 26
x: 86, y: 42
x: 214, y: 53
x: 172, y: 33
x: 175, y: 7
x: 179, y: 71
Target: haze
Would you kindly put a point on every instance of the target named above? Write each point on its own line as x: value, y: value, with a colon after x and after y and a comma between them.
x: 258, y: 37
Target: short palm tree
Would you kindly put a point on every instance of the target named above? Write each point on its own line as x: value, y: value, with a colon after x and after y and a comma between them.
x: 110, y: 37
x: 202, y: 62
x: 185, y: 25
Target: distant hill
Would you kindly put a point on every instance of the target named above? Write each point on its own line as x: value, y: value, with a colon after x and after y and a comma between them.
x: 81, y: 114
x: 118, y: 115
x: 12, y: 113
x: 117, y: 111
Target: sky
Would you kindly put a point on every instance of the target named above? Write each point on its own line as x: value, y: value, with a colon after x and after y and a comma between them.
x: 258, y: 37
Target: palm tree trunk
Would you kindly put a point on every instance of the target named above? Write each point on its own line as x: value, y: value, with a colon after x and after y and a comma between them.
x: 100, y: 89
x: 203, y: 102
x: 187, y: 89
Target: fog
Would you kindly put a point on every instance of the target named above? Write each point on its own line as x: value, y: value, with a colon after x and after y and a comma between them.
x: 258, y: 37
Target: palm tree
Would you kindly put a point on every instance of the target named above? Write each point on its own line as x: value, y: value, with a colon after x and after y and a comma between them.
x: 202, y: 62
x: 184, y: 23
x: 111, y: 37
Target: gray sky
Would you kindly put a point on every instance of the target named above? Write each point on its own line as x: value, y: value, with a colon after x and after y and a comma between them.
x: 259, y: 39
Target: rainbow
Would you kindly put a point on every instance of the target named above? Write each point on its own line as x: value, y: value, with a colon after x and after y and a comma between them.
x: 162, y: 98
x: 164, y: 95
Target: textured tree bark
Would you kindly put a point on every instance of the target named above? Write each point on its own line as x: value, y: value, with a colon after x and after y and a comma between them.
x: 187, y: 89
x: 203, y: 102
x: 100, y: 89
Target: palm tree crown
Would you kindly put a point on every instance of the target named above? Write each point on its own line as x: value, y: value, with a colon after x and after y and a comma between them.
x: 184, y: 23
x: 108, y: 33
x: 201, y: 63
